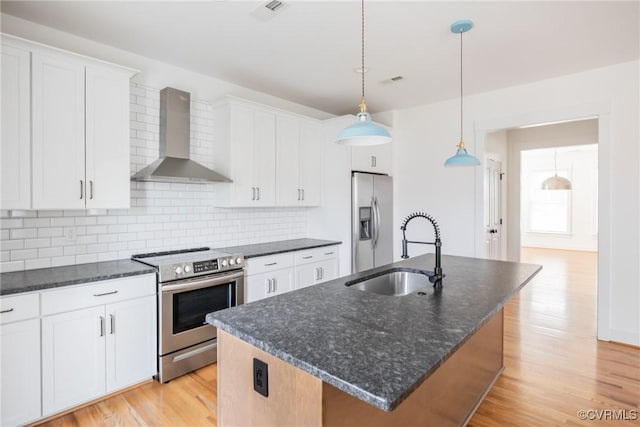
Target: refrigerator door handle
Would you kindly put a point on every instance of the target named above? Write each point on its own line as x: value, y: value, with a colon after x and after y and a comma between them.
x: 377, y: 222
x: 374, y: 223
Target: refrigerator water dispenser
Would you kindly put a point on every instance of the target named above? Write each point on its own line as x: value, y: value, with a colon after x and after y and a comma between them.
x: 365, y: 223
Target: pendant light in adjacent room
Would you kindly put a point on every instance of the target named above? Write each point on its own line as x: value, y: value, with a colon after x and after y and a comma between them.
x: 461, y: 158
x: 363, y: 131
x: 556, y: 182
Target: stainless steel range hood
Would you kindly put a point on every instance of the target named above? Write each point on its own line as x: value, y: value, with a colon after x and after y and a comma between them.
x: 174, y: 164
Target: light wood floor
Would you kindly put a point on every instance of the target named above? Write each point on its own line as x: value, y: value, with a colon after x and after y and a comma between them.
x: 554, y: 366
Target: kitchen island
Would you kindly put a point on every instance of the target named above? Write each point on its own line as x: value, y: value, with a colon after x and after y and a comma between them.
x: 337, y: 355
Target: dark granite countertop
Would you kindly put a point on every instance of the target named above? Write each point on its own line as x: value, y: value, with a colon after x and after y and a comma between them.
x: 378, y: 348
x: 54, y: 277
x: 271, y: 248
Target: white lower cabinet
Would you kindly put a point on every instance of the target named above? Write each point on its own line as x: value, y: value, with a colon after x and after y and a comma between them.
x: 130, y: 341
x: 73, y: 358
x: 276, y: 274
x: 265, y: 285
x: 97, y: 338
x: 20, y: 372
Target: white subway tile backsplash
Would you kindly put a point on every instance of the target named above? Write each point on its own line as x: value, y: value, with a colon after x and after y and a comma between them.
x: 6, y: 267
x: 162, y: 216
x: 37, y: 243
x: 37, y: 263
x: 21, y: 254
x: 23, y: 233
x: 50, y: 252
x: 50, y: 232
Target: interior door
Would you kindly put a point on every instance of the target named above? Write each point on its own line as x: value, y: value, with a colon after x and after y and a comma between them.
x: 493, y: 209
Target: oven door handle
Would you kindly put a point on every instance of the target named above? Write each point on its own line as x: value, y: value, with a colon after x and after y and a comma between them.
x: 203, y: 283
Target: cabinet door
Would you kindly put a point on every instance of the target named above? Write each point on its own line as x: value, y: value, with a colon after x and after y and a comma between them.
x: 288, y: 192
x: 241, y: 138
x: 283, y: 281
x: 311, y: 136
x: 107, y: 138
x: 73, y: 358
x: 328, y: 270
x: 58, y: 132
x: 375, y: 159
x: 265, y: 157
x: 258, y: 286
x: 15, y: 151
x: 20, y: 387
x: 131, y: 342
x: 306, y: 275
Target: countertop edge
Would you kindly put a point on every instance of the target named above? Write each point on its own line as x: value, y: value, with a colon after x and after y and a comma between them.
x: 71, y: 282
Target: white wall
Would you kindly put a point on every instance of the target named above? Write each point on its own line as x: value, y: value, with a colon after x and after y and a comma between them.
x: 425, y: 136
x: 581, y: 164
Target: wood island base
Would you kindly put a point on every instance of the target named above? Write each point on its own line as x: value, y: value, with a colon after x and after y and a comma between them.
x: 448, y: 397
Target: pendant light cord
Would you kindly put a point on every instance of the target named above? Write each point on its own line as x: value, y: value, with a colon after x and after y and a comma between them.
x: 363, y: 105
x: 461, y: 109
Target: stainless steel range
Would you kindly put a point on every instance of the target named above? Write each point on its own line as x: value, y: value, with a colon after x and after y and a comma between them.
x: 192, y: 283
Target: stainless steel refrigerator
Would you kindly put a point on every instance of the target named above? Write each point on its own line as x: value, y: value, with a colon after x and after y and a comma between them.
x: 371, y: 221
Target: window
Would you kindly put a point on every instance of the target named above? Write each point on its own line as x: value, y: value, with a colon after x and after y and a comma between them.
x: 549, y: 211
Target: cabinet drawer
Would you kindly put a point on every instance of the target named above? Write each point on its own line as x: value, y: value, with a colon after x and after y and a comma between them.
x: 269, y: 263
x: 316, y: 254
x: 19, y: 307
x: 97, y: 293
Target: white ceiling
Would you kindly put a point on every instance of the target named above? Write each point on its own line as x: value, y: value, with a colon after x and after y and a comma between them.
x: 308, y: 52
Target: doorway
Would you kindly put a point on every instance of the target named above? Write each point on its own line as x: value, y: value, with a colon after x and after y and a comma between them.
x: 499, y: 139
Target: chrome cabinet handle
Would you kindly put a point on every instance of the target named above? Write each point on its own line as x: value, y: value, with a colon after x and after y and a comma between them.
x: 106, y: 293
x: 81, y: 189
x: 112, y: 324
x: 6, y: 311
x: 372, y: 161
x: 275, y: 284
x: 321, y: 273
x: 303, y: 194
x: 91, y: 190
x: 307, y: 257
x: 268, y: 283
x: 101, y: 326
x: 328, y: 253
x: 253, y: 193
x: 258, y: 188
x: 298, y: 194
x: 270, y: 264
x: 317, y: 273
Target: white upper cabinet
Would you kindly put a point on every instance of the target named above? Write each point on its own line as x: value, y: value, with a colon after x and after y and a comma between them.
x: 376, y: 159
x: 66, y: 142
x: 245, y: 144
x: 298, y: 161
x: 15, y: 150
x: 58, y: 132
x: 107, y: 138
x: 273, y: 157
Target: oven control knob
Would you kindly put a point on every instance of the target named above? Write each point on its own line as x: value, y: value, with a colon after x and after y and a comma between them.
x: 178, y: 270
x: 238, y: 260
x: 187, y: 269
x: 232, y: 261
x: 224, y: 262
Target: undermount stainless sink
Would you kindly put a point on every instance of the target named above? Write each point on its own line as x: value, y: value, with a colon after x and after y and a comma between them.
x: 393, y: 283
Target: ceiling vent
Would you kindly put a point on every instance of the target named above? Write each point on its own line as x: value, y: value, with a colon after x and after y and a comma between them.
x: 394, y: 79
x: 268, y: 10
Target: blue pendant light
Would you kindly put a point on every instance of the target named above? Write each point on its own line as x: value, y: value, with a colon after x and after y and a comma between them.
x: 461, y: 158
x: 363, y: 131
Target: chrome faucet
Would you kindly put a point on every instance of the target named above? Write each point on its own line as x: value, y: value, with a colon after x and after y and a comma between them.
x: 436, y: 276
